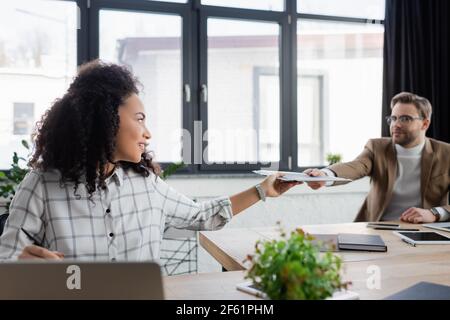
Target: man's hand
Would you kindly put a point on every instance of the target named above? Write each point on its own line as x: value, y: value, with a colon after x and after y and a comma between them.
x: 274, y: 187
x: 315, y: 173
x: 36, y: 252
x: 418, y: 215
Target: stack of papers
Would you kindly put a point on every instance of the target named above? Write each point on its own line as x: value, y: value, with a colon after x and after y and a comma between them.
x: 298, y: 176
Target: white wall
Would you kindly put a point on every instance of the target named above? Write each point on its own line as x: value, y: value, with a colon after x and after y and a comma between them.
x: 299, y: 206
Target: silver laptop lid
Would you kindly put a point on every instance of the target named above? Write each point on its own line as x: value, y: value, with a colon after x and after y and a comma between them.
x: 80, y: 280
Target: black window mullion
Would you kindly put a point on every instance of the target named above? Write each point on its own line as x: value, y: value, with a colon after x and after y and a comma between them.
x: 308, y: 16
x: 203, y: 80
x: 291, y: 8
x: 285, y: 101
x: 191, y: 113
x: 93, y: 31
x: 188, y: 107
x: 241, y: 13
x: 82, y: 32
x: 156, y: 6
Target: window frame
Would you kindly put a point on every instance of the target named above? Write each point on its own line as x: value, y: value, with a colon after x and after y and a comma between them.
x: 250, y: 15
x: 324, y: 18
x: 155, y: 7
x: 194, y: 59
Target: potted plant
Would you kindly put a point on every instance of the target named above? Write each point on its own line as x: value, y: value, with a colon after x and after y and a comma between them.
x: 171, y: 168
x: 293, y: 268
x: 333, y: 158
x: 10, y: 179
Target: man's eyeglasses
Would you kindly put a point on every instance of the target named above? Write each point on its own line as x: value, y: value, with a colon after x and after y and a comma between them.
x: 403, y: 119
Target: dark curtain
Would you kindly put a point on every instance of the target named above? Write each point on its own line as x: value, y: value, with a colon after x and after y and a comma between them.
x: 416, y: 58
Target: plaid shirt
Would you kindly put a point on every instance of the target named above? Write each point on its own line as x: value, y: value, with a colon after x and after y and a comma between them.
x: 125, y: 221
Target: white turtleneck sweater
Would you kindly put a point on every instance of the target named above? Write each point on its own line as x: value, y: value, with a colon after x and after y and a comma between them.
x: 406, y: 191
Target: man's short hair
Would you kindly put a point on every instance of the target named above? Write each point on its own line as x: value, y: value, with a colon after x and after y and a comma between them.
x: 422, y: 104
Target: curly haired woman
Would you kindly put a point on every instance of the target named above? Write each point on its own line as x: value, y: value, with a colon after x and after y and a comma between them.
x: 93, y: 192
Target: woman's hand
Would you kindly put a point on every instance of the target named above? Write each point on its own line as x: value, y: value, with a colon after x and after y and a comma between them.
x: 272, y: 186
x: 275, y: 187
x: 36, y: 252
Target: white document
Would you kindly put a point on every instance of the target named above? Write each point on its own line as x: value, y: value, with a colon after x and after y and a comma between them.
x: 298, y: 176
x: 444, y: 226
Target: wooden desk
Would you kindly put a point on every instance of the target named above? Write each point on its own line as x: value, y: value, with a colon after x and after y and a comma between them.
x: 205, y: 286
x: 400, y: 267
x: 396, y: 275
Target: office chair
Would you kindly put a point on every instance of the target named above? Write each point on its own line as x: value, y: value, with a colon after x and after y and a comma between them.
x: 3, y: 218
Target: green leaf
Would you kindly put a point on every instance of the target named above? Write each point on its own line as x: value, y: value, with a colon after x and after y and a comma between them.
x: 171, y: 168
x: 25, y: 144
x: 15, y: 158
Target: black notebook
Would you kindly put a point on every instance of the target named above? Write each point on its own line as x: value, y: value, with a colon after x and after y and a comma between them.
x: 361, y: 242
x: 422, y: 291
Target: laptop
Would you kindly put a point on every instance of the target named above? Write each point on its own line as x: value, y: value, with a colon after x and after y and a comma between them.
x: 80, y: 280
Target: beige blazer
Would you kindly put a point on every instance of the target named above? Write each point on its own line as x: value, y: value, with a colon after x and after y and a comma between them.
x: 379, y: 162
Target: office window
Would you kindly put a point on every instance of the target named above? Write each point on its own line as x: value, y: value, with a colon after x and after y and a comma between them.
x: 275, y: 5
x: 340, y: 69
x: 244, y: 97
x: 38, y: 50
x: 368, y: 9
x: 23, y: 118
x: 225, y: 64
x: 151, y: 45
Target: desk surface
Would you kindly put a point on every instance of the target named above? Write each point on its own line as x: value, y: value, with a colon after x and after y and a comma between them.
x: 400, y: 267
x: 205, y: 286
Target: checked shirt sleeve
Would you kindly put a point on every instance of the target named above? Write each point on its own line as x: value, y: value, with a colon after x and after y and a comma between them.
x: 184, y: 213
x: 26, y: 211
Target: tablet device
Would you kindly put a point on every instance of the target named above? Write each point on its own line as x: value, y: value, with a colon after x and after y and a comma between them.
x: 443, y: 226
x: 423, y: 237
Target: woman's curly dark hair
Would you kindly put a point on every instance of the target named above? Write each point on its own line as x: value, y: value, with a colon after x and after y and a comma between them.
x: 77, y: 134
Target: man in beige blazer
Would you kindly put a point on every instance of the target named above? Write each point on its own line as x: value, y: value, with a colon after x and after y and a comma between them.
x: 409, y: 173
